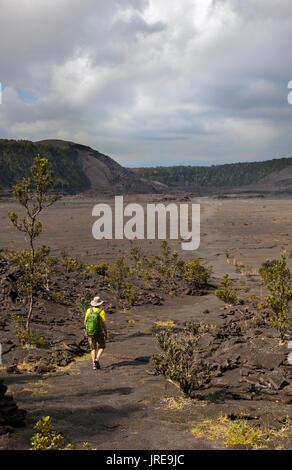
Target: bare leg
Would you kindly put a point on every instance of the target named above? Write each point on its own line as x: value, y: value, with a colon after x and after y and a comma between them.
x: 93, y: 355
x: 99, y: 353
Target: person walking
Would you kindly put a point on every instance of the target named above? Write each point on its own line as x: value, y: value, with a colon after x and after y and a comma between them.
x: 96, y: 330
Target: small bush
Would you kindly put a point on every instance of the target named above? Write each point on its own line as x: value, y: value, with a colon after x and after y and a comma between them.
x: 83, y: 300
x: 46, y: 438
x: 197, y: 273
x: 131, y: 295
x: 100, y: 269
x: 277, y: 277
x: 228, y: 294
x: 257, y: 320
x: 180, y: 360
x: 117, y: 276
x: 266, y: 270
x: 23, y: 334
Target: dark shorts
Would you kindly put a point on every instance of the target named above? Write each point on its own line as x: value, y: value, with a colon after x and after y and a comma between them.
x: 97, y: 340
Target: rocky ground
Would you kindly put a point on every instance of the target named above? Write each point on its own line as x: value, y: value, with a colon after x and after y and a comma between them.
x: 10, y: 415
x: 243, y: 358
x: 56, y: 332
x: 58, y: 313
x: 126, y: 405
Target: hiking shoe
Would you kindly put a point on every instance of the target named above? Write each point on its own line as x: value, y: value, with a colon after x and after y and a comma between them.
x: 97, y: 364
x: 94, y: 366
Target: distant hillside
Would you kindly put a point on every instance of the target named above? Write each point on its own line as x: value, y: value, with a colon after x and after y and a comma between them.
x: 271, y: 174
x: 80, y: 169
x: 77, y: 168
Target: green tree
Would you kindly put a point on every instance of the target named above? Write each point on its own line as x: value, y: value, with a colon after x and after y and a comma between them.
x: 32, y: 195
x: 266, y: 270
x: 277, y: 277
x: 195, y: 272
x: 117, y: 276
x: 227, y: 293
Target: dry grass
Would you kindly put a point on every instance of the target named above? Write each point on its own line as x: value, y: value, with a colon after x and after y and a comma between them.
x: 241, y: 268
x: 240, y: 432
x: 175, y: 403
x: 76, y: 360
x: 164, y: 324
x: 37, y: 388
x: 29, y: 366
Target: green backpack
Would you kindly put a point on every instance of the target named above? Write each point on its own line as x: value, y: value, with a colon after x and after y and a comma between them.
x: 93, y: 324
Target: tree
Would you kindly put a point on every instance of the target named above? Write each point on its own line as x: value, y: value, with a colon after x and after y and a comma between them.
x: 197, y: 273
x: 117, y: 275
x: 32, y: 195
x: 277, y: 277
x: 228, y: 293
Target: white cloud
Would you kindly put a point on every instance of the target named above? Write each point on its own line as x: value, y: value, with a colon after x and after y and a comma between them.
x: 150, y: 81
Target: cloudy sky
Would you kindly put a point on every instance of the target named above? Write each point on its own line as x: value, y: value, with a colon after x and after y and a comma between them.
x: 150, y: 82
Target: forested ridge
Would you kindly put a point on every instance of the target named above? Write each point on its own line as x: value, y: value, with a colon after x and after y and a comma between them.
x: 17, y: 156
x: 219, y: 176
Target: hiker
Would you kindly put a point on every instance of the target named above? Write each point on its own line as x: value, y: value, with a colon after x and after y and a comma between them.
x: 96, y: 330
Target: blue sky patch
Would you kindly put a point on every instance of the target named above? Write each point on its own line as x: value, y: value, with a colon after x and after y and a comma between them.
x: 26, y: 96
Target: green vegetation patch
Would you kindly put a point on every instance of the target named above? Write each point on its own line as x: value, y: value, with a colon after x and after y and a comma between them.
x: 17, y: 157
x: 239, y: 432
x: 232, y: 174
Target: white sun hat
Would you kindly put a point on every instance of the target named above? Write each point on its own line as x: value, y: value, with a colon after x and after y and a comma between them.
x: 96, y: 302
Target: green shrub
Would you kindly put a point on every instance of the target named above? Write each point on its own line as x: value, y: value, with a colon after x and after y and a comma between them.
x: 118, y: 277
x: 83, y: 300
x: 46, y: 438
x: 70, y: 264
x: 179, y: 360
x: 23, y: 334
x: 266, y: 270
x: 277, y: 277
x: 228, y: 294
x: 100, y: 269
x: 131, y: 295
x: 196, y: 272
